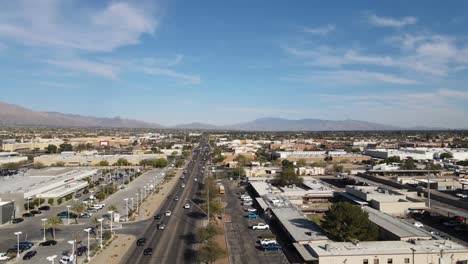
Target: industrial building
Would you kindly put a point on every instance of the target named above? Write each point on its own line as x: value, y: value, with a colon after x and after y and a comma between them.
x: 417, y: 153
x: 91, y: 158
x: 11, y: 157
x: 311, y: 156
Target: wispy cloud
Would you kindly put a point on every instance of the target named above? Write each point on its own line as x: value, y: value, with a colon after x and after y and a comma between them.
x: 323, y: 30
x: 57, y: 85
x: 185, y: 78
x: 391, y: 22
x: 56, y: 24
x: 105, y: 70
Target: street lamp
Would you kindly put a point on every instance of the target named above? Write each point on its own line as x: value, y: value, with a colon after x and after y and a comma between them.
x: 72, y: 242
x: 18, y: 245
x: 68, y: 214
x: 111, y: 215
x: 101, y: 220
x: 51, y: 258
x: 126, y: 206
x: 88, y: 230
x: 44, y: 223
x: 137, y: 201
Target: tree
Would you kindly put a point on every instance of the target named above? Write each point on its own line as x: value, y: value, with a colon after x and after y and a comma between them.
x: 103, y: 163
x: 122, y: 162
x: 11, y: 165
x: 288, y: 177
x: 241, y: 160
x: 347, y: 222
x: 53, y: 223
x: 78, y: 208
x: 393, y: 159
x: 211, y: 252
x: 50, y: 201
x: 338, y: 168
x: 446, y: 155
x: 38, y: 165
x: 186, y: 153
x: 206, y: 233
x: 66, y: 147
x: 113, y: 208
x: 174, y: 153
x: 408, y: 165
x: 287, y: 164
x: 60, y: 164
x: 301, y: 163
x: 51, y: 149
x: 434, y: 167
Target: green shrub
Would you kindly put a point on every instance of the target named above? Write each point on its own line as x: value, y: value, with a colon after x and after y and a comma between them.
x: 50, y: 201
x: 59, y: 201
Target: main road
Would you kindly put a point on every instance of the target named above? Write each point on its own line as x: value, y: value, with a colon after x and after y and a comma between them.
x: 175, y: 244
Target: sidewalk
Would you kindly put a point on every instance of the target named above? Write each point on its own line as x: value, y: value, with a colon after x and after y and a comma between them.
x: 115, y: 251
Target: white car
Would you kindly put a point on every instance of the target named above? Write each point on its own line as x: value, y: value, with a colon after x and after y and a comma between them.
x: 251, y: 210
x: 461, y: 195
x: 65, y: 259
x: 260, y: 226
x: 168, y: 213
x: 187, y: 206
x: 247, y: 203
x: 4, y: 256
x: 418, y: 224
x: 182, y: 185
x: 266, y: 241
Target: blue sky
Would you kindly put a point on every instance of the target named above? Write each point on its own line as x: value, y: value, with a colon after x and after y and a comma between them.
x: 395, y: 62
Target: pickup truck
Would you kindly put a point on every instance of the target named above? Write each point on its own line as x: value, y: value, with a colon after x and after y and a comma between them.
x: 260, y: 226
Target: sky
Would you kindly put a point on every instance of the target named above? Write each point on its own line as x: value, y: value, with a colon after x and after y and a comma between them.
x: 401, y: 63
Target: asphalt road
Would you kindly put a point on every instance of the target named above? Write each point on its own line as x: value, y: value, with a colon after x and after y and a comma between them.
x: 175, y: 244
x: 242, y: 241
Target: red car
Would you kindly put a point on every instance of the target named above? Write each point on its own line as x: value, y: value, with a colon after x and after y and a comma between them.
x: 459, y: 219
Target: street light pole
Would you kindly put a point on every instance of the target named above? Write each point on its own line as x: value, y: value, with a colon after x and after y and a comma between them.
x: 68, y: 214
x: 51, y: 258
x: 101, y: 220
x: 88, y: 230
x: 18, y: 244
x: 43, y: 223
x: 137, y: 202
x: 126, y: 206
x: 111, y: 216
x: 72, y: 242
x: 133, y: 206
x: 428, y: 190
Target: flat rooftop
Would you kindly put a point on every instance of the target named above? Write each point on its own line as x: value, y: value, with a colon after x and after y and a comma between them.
x: 384, y: 247
x: 298, y: 226
x: 264, y: 188
x: 396, y: 226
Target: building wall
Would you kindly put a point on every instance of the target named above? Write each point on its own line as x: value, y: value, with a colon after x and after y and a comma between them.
x: 18, y: 199
x: 7, y: 212
x: 424, y: 258
x: 396, y: 208
x: 13, y: 160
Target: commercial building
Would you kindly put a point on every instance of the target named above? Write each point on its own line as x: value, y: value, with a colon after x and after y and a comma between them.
x: 417, y: 153
x: 7, y: 211
x: 33, y: 144
x: 320, y: 155
x: 46, y: 183
x: 91, y: 158
x: 388, y: 252
x: 11, y: 157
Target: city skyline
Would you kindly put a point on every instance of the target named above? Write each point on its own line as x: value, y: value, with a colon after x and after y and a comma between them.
x: 174, y: 62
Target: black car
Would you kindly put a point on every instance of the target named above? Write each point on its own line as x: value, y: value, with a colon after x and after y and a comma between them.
x: 78, y: 195
x: 141, y: 242
x: 29, y: 255
x: 48, y: 243
x: 44, y: 208
x: 17, y: 220
x: 81, y: 250
x: 85, y: 191
x: 148, y: 252
x: 176, y: 198
x: 36, y: 212
x: 157, y: 216
x: 28, y: 215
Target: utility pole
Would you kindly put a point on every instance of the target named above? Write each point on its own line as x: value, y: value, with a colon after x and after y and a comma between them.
x: 428, y: 190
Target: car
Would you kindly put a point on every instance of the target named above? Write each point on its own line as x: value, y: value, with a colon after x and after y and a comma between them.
x: 15, y: 250
x: 92, y: 210
x: 462, y: 195
x: 451, y: 223
x: 44, y: 208
x: 141, y: 242
x: 161, y: 226
x: 168, y: 213
x: 85, y: 215
x: 28, y: 215
x: 81, y: 250
x: 157, y: 216
x: 29, y: 255
x: 86, y: 191
x: 459, y: 219
x: 247, y: 203
x: 4, y: 257
x: 64, y: 259
x: 265, y: 241
x: 35, y: 212
x: 187, y: 206
x: 176, y: 198
x: 48, y: 243
x: 260, y: 226
x: 251, y: 210
x: 266, y: 247
x: 148, y: 252
x: 78, y: 195
x: 100, y: 206
x: 418, y: 224
x: 252, y: 215
x: 182, y: 185
x: 26, y: 243
x: 17, y: 220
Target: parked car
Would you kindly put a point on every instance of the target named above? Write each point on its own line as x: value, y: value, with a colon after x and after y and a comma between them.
x: 86, y: 191
x: 265, y: 241
x: 418, y: 224
x: 4, y: 257
x: 168, y: 213
x: 64, y: 259
x: 29, y: 255
x: 141, y: 242
x: 35, y: 212
x: 28, y: 215
x: 44, y: 208
x: 459, y: 219
x: 48, y: 243
x: 85, y: 215
x: 252, y: 210
x: 266, y: 247
x: 157, y: 216
x: 148, y: 252
x: 247, y: 203
x: 260, y: 226
x: 252, y: 215
x: 17, y: 220
x: 187, y: 206
x: 26, y: 243
x: 78, y: 195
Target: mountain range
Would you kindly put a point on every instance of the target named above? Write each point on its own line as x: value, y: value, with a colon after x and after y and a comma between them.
x: 13, y: 115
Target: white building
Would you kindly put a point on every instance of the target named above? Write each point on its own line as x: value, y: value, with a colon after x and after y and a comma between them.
x: 11, y: 157
x: 417, y: 153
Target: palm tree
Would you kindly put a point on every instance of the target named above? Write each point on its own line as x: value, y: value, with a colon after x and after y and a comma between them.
x: 78, y: 208
x: 113, y: 208
x: 53, y: 223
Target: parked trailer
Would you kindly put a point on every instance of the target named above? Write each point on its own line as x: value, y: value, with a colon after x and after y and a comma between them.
x: 221, y: 189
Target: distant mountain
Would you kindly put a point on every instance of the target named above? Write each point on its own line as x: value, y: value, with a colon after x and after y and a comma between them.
x: 281, y: 124
x: 13, y: 115
x: 197, y: 125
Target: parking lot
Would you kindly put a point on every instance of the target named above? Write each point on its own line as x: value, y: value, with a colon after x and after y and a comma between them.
x: 32, y: 227
x: 241, y: 239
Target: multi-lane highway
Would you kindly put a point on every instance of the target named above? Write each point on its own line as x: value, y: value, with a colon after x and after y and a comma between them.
x: 175, y: 244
